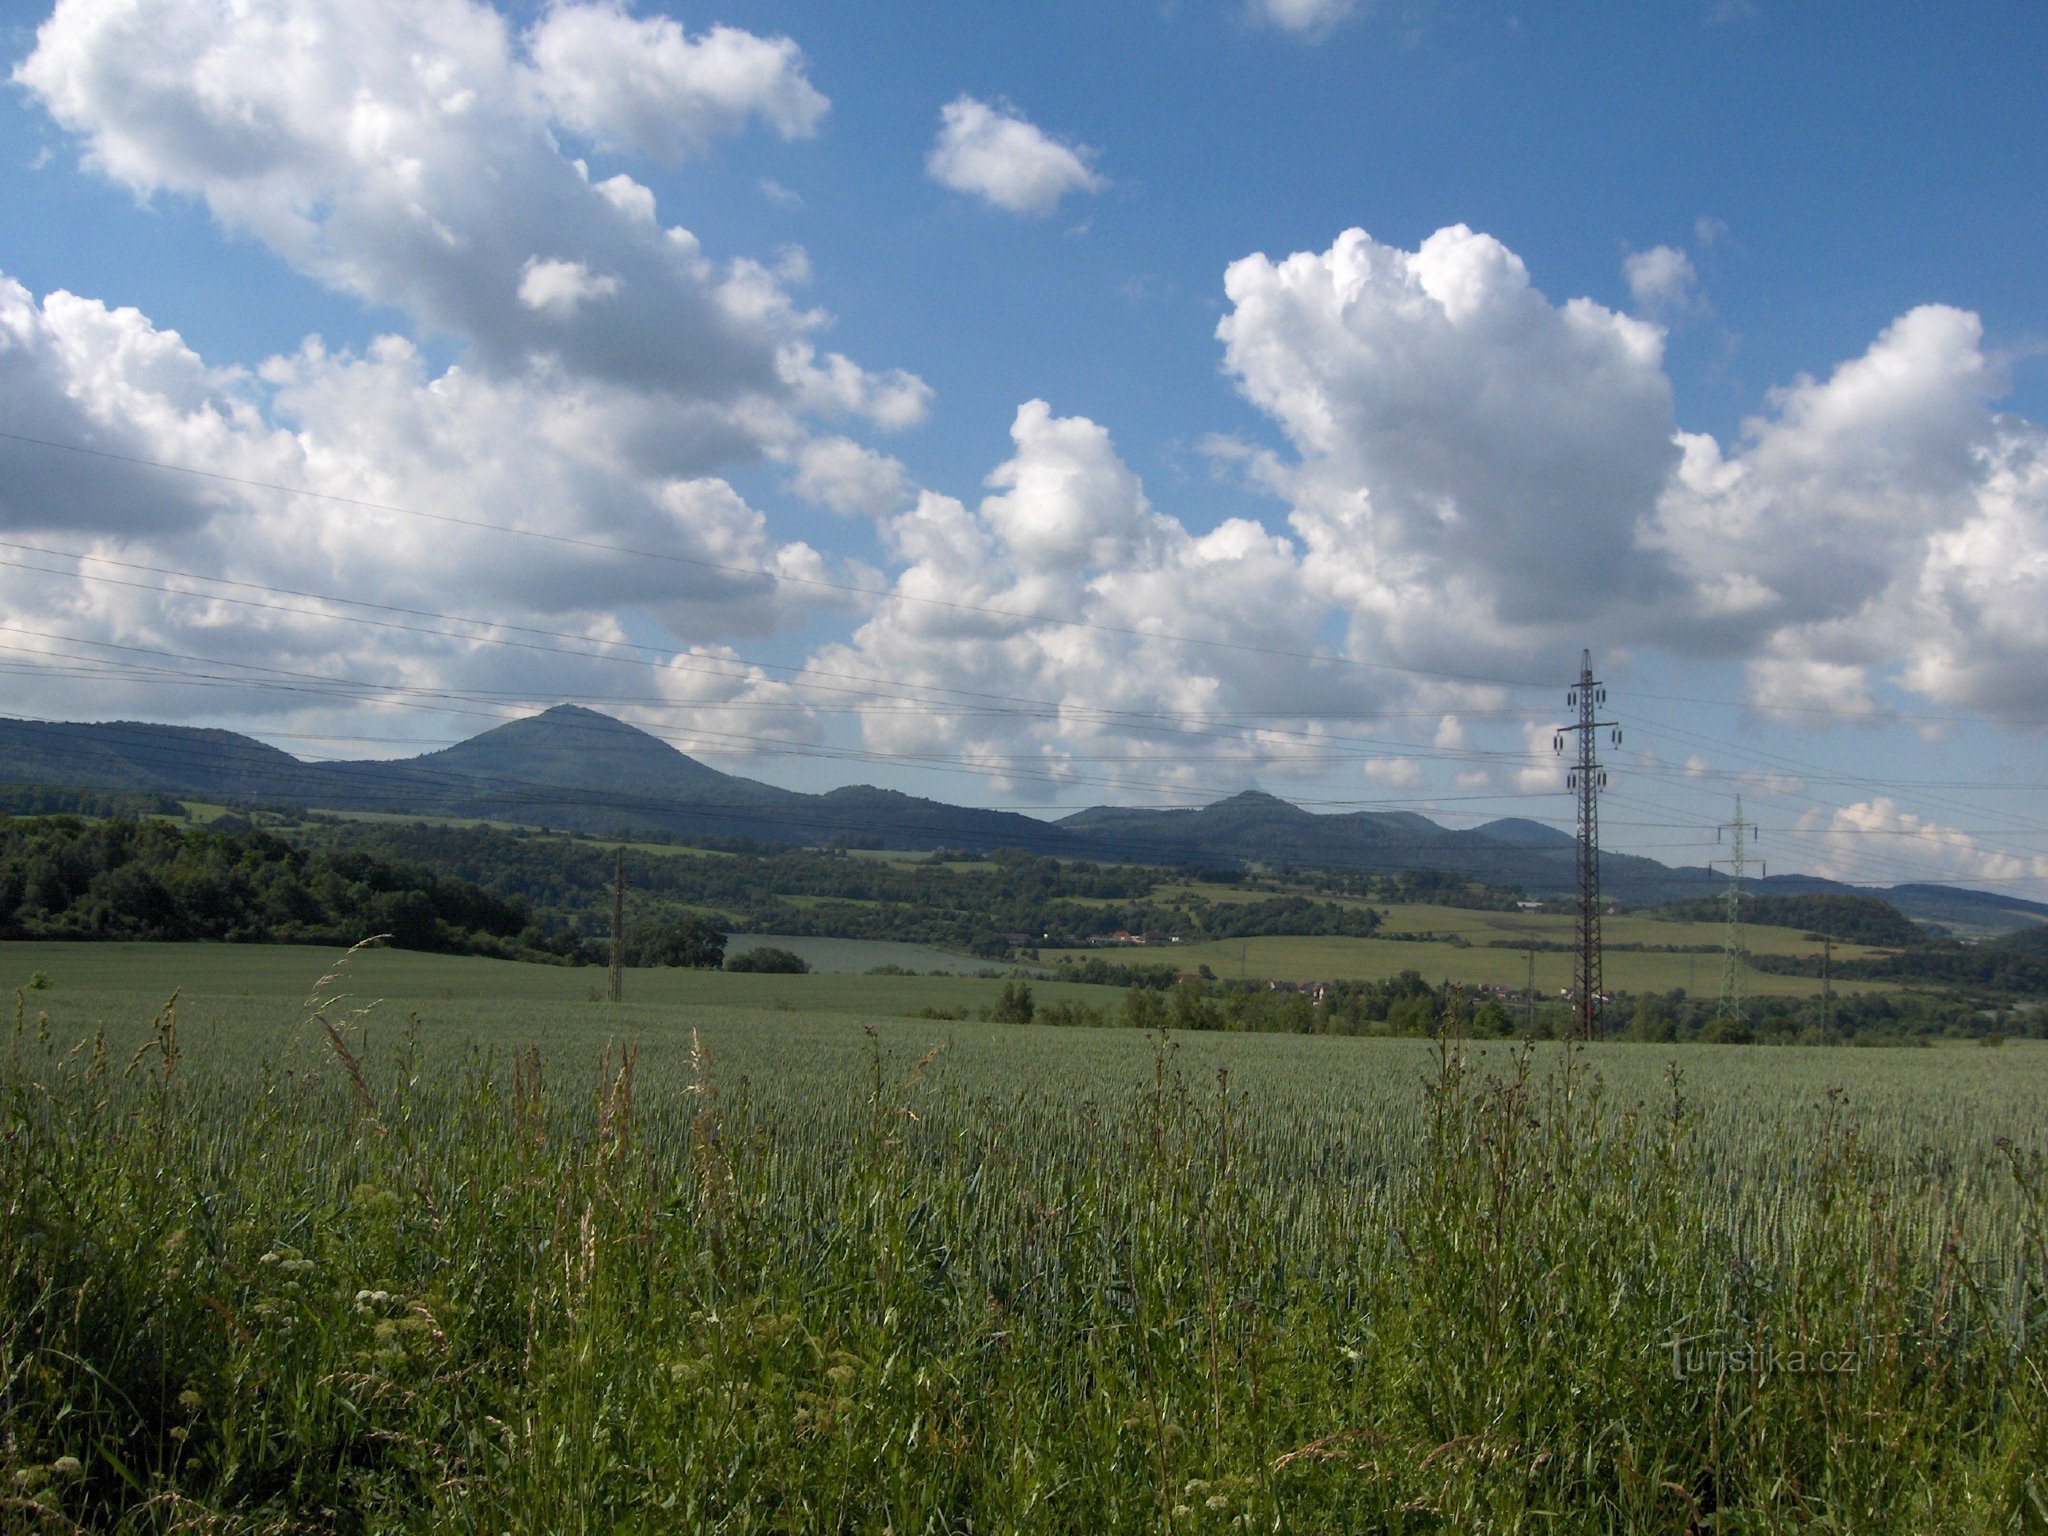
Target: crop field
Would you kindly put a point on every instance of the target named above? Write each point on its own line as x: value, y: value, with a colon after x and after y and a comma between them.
x: 492, y: 1256
x: 1464, y: 945
x: 1331, y: 958
x: 90, y: 984
x: 854, y: 957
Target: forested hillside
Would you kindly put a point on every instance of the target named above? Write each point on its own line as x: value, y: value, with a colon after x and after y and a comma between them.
x: 988, y: 904
x: 63, y: 877
x: 1845, y: 919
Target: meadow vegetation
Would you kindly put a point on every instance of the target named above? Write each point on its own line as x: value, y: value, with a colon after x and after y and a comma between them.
x: 542, y: 1265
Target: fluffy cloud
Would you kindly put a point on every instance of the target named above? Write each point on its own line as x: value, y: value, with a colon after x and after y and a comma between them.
x: 1480, y: 474
x: 1473, y: 462
x: 609, y: 369
x: 560, y: 287
x: 1476, y: 478
x: 1393, y: 772
x: 617, y: 535
x: 1661, y: 280
x: 1873, y: 840
x: 408, y: 154
x: 1172, y: 645
x: 1883, y: 522
x: 997, y: 155
x: 840, y: 474
x: 73, y: 371
x: 627, y: 83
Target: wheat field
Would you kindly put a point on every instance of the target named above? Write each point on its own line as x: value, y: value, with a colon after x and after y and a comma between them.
x: 277, y: 1263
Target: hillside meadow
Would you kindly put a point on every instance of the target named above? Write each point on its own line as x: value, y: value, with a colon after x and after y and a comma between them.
x: 427, y: 1243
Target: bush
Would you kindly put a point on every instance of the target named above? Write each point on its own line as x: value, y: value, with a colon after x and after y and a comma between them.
x: 691, y: 941
x: 1065, y: 1011
x: 780, y: 962
x: 1015, y: 1005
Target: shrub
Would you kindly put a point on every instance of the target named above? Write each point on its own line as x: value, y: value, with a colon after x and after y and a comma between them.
x: 767, y: 957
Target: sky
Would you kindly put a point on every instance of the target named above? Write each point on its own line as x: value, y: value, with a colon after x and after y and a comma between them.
x: 1044, y: 406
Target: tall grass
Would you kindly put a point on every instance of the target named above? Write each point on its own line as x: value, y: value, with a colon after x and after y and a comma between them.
x: 398, y: 1293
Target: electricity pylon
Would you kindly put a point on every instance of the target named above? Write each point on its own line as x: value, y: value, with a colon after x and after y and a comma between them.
x: 1737, y: 864
x: 1588, y: 778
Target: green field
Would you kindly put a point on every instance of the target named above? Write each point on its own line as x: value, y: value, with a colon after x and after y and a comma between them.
x: 1292, y: 958
x: 1477, y: 961
x: 93, y: 983
x: 853, y: 957
x: 805, y: 1263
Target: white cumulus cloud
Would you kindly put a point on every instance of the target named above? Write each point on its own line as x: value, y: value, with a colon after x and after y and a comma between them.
x: 1473, y: 462
x: 840, y: 474
x: 1661, y: 280
x: 642, y: 83
x: 408, y: 154
x: 561, y: 287
x: 1874, y: 840
x: 998, y: 155
x: 608, y: 370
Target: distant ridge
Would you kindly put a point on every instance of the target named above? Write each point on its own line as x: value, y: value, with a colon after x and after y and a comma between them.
x: 577, y: 769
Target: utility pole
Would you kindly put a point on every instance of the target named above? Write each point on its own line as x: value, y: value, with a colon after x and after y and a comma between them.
x: 1737, y: 862
x: 618, y: 986
x: 1588, y: 778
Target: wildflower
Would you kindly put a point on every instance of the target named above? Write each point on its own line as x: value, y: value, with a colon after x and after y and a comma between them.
x: 1216, y: 1503
x: 67, y: 1466
x: 190, y: 1401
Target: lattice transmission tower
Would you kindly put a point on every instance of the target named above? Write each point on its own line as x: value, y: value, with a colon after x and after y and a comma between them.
x: 1737, y: 864
x: 1588, y: 778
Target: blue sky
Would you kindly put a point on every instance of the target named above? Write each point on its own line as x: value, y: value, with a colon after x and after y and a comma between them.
x: 1712, y: 341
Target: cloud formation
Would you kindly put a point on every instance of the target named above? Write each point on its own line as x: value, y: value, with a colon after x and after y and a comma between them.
x: 410, y: 155
x: 996, y: 154
x: 1873, y: 839
x: 1471, y: 462
x: 1470, y: 478
x: 1661, y: 280
x: 643, y: 84
x: 609, y: 369
x: 1477, y: 480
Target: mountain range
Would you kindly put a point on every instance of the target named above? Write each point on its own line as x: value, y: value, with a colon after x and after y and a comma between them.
x: 575, y: 769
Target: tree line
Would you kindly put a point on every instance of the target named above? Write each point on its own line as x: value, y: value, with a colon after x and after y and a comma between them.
x: 63, y: 877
